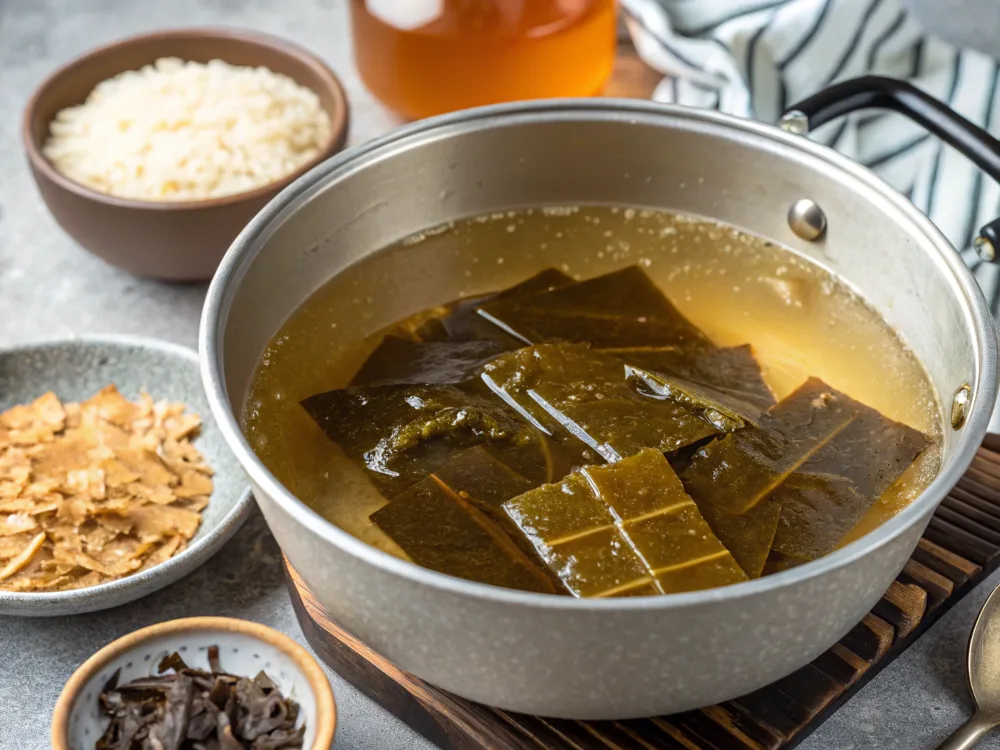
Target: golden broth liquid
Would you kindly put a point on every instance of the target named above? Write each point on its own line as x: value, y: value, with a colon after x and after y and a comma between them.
x: 737, y: 288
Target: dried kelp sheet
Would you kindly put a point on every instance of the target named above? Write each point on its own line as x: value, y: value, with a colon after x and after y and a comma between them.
x: 622, y: 530
x: 461, y: 322
x: 181, y: 708
x: 820, y: 456
x: 399, y: 361
x: 453, y: 522
x: 731, y: 376
x: 402, y: 433
x: 598, y: 399
x: 619, y: 309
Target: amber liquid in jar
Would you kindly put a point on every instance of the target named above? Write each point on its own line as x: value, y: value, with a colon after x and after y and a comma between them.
x: 426, y: 57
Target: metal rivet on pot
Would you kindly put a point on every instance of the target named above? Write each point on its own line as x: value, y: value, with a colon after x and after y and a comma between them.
x: 807, y: 219
x: 985, y: 249
x: 960, y: 406
x: 794, y: 122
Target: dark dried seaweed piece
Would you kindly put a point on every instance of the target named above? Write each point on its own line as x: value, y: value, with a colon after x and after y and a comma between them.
x: 623, y: 530
x: 398, y: 361
x: 258, y: 711
x: 402, y: 433
x: 465, y: 539
x: 171, y: 661
x: 178, y: 709
x: 619, y: 309
x: 220, y: 691
x: 569, y: 387
x: 129, y: 725
x: 171, y: 728
x: 203, y: 719
x: 264, y: 682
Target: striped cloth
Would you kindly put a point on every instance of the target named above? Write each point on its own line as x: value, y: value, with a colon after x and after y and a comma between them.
x: 754, y: 58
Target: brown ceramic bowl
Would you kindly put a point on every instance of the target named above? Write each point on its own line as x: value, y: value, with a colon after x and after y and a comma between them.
x: 176, y: 241
x: 245, y: 648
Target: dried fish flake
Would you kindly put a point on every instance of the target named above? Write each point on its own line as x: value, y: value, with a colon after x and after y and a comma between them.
x: 23, y: 557
x: 97, y: 490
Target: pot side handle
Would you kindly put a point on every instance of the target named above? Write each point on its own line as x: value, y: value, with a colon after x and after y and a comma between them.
x: 879, y: 92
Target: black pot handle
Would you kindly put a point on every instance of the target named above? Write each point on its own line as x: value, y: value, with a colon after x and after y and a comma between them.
x: 889, y: 93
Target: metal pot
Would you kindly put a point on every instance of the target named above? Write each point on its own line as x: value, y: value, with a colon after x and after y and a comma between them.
x: 618, y: 658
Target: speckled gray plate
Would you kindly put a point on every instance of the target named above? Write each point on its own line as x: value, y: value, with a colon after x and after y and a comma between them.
x: 76, y: 369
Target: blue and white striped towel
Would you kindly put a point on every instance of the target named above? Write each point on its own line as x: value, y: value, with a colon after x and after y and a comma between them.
x: 754, y: 58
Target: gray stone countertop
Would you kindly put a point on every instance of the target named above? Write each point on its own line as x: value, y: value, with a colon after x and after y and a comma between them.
x: 49, y: 287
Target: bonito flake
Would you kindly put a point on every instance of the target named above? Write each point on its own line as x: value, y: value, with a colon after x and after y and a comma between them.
x: 95, y: 491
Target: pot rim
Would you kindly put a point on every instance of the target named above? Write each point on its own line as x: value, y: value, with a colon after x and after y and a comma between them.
x: 249, y: 241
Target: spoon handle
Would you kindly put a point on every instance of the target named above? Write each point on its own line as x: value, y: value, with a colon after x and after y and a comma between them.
x: 969, y: 733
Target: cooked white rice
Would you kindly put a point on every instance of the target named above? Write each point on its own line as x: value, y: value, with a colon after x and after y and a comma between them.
x: 177, y: 131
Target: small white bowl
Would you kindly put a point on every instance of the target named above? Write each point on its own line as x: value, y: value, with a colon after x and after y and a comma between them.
x: 245, y: 648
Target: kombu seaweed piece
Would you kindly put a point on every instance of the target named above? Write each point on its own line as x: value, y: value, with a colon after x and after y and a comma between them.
x: 463, y: 323
x: 817, y: 433
x: 664, y: 523
x: 748, y: 536
x: 402, y: 433
x: 729, y: 375
x: 619, y: 309
x: 624, y: 529
x: 452, y: 522
x: 589, y: 395
x: 399, y: 361
x: 576, y: 536
x: 872, y: 451
x: 742, y: 469
x: 483, y: 478
x: 817, y: 511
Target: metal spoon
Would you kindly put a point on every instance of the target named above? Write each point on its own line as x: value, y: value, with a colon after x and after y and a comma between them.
x: 984, y: 677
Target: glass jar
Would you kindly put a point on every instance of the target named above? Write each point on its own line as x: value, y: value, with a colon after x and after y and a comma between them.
x: 425, y: 57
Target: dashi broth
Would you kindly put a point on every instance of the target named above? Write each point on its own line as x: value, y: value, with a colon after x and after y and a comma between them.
x: 737, y: 289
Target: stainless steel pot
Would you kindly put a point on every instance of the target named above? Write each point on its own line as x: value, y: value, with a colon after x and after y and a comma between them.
x: 598, y: 659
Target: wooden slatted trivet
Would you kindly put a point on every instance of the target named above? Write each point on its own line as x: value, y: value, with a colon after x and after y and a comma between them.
x: 960, y: 547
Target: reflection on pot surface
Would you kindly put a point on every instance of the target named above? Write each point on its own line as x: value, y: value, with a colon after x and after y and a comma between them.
x: 519, y: 439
